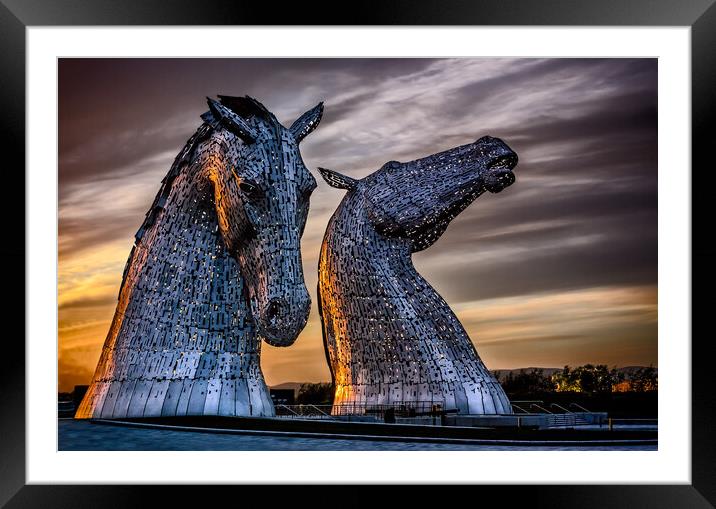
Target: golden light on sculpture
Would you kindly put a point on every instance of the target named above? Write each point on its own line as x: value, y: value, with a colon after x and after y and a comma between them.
x: 390, y: 337
x: 209, y: 276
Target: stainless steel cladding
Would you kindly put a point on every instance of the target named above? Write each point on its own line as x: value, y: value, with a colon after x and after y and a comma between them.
x: 215, y: 269
x: 390, y: 338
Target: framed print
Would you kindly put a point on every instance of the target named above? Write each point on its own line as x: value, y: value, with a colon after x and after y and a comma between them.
x: 159, y: 218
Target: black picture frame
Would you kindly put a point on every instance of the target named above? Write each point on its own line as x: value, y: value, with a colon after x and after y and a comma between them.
x: 17, y: 15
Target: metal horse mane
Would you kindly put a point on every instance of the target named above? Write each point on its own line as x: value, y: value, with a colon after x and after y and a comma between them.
x: 389, y: 336
x: 215, y: 269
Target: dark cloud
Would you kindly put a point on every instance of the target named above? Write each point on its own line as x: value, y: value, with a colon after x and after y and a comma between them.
x: 560, y: 267
x: 80, y: 234
x: 574, y: 242
x: 531, y: 340
x: 114, y: 113
x: 621, y: 120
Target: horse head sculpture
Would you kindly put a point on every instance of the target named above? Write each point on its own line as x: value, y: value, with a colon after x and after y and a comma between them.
x: 389, y: 336
x: 262, y: 190
x: 215, y: 269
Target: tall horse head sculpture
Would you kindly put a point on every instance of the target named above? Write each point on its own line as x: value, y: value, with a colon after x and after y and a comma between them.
x: 389, y: 336
x: 215, y: 269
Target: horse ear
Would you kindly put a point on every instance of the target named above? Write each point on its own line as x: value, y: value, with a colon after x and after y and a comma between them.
x: 335, y: 179
x: 307, y: 122
x: 231, y: 121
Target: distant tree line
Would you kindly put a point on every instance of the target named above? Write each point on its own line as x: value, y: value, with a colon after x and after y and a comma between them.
x: 587, y: 379
x: 315, y: 394
x: 591, y: 379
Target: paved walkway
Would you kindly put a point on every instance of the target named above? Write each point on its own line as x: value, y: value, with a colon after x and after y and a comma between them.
x: 76, y: 435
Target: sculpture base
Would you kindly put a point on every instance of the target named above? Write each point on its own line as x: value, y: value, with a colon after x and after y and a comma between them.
x: 168, y: 398
x: 338, y: 429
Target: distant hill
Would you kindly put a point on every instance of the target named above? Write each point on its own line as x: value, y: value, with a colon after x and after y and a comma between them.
x: 505, y: 372
x: 289, y: 385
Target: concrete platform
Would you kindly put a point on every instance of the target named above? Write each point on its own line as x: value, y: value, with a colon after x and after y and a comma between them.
x: 535, y: 421
x: 473, y: 434
x: 83, y: 435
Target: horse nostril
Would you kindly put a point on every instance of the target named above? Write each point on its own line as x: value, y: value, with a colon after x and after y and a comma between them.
x: 273, y: 310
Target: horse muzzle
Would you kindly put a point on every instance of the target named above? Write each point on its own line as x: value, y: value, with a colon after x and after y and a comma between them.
x: 282, y: 321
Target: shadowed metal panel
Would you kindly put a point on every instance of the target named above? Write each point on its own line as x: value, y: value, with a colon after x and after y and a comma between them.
x: 171, y: 400
x: 125, y: 396
x: 110, y: 399
x: 155, y: 401
x: 98, y: 398
x: 255, y: 399
x: 227, y: 402
x: 139, y: 398
x: 197, y: 399
x: 213, y: 395
x: 183, y: 404
x: 243, y: 406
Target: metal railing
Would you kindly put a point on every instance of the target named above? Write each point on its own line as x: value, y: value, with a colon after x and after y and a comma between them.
x: 562, y: 420
x: 304, y: 411
x: 407, y: 409
x: 561, y: 417
x: 529, y: 403
x: 570, y: 420
x: 555, y: 414
x: 541, y: 408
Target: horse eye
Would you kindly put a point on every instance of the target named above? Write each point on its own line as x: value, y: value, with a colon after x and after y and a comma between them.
x: 248, y: 188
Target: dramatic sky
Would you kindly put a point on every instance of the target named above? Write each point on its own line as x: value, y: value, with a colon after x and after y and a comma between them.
x: 560, y: 268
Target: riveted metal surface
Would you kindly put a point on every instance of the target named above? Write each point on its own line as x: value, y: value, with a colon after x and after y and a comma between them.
x: 215, y: 269
x: 390, y: 338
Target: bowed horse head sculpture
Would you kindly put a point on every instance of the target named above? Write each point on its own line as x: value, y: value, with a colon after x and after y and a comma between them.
x: 262, y: 190
x: 389, y: 336
x: 215, y: 269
